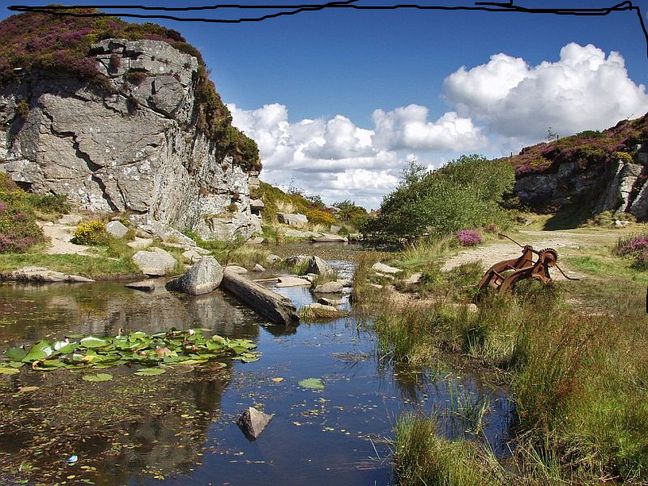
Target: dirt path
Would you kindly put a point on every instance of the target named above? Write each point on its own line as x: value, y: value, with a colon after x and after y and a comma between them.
x: 565, y: 242
x: 60, y: 235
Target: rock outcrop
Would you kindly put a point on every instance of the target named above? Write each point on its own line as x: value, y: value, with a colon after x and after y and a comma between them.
x: 593, y: 172
x: 133, y: 145
x: 202, y: 278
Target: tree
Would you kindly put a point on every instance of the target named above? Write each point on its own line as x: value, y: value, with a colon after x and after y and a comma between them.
x: 463, y: 194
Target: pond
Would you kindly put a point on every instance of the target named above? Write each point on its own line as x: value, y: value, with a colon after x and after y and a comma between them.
x: 180, y: 427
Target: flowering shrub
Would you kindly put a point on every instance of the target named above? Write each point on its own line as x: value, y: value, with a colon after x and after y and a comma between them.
x: 468, y: 237
x: 635, y: 246
x: 317, y: 216
x: 18, y: 228
x: 632, y: 245
x: 90, y: 233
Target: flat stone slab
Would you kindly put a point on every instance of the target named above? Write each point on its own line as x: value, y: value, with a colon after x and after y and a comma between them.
x: 237, y: 269
x: 329, y: 238
x: 289, y: 281
x: 42, y: 275
x: 140, y: 243
x: 329, y: 288
x: 144, y: 285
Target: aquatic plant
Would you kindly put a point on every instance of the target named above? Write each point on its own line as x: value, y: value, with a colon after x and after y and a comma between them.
x: 164, y: 348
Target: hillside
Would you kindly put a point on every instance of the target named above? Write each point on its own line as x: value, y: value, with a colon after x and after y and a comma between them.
x: 596, y: 171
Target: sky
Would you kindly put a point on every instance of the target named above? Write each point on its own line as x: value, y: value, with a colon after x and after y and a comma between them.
x: 340, y: 101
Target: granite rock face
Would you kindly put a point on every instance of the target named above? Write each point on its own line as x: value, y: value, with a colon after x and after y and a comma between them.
x: 132, y: 147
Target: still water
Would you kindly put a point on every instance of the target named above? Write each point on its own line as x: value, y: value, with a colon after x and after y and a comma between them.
x: 180, y: 427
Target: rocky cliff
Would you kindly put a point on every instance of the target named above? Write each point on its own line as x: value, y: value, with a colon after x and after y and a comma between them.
x: 129, y: 124
x: 594, y: 171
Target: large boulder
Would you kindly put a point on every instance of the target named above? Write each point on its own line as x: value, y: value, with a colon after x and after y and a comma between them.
x: 133, y: 146
x: 154, y: 263
x: 329, y: 288
x: 204, y: 277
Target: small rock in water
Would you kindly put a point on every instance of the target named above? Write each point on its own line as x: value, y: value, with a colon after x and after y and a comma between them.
x: 329, y: 288
x: 330, y: 302
x: 202, y: 278
x: 318, y: 266
x: 252, y: 422
x: 145, y: 285
x: 292, y: 282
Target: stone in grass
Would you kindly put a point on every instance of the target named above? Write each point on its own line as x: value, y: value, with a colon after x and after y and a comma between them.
x: 144, y: 285
x: 273, y: 259
x: 205, y: 276
x: 252, y: 422
x: 116, y: 229
x: 382, y: 268
x: 258, y: 268
x: 156, y: 263
x: 237, y: 269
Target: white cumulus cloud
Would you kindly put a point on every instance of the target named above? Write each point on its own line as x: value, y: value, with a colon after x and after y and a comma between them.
x: 584, y: 89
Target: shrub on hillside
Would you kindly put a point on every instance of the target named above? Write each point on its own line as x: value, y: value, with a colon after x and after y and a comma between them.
x: 90, y: 233
x: 18, y: 228
x: 317, y: 216
x: 351, y: 213
x: 466, y: 193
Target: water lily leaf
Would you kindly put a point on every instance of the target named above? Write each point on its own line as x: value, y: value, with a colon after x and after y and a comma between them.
x: 249, y: 357
x: 16, y: 364
x: 150, y: 371
x: 312, y: 383
x: 38, y: 351
x: 8, y: 371
x: 15, y: 354
x: 53, y: 363
x: 98, y: 377
x: 277, y: 379
x: 93, y: 342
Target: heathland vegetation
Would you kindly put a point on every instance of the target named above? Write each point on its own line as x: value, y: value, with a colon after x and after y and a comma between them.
x: 571, y: 354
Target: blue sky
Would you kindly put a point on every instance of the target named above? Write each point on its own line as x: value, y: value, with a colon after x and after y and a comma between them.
x: 308, y: 87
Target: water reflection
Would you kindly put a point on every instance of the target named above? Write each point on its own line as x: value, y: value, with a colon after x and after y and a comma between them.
x: 179, y: 428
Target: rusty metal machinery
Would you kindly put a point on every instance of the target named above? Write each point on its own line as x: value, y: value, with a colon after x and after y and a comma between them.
x: 505, y: 274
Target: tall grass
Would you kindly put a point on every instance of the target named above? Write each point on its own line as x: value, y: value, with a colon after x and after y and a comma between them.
x: 423, y: 458
x: 579, y: 381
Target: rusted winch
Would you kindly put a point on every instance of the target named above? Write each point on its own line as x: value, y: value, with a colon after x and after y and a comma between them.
x: 505, y: 274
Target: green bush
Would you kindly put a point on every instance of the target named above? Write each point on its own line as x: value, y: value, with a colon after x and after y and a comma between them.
x: 463, y: 194
x: 91, y: 233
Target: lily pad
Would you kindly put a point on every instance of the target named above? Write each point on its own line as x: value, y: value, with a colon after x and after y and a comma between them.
x: 93, y: 342
x: 312, y: 383
x: 150, y: 371
x: 39, y: 351
x: 98, y: 377
x: 15, y: 354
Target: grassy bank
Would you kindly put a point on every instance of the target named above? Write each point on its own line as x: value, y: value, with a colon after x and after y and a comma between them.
x: 88, y: 266
x: 577, y: 373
